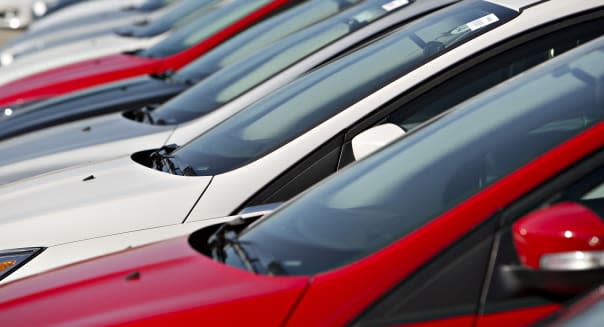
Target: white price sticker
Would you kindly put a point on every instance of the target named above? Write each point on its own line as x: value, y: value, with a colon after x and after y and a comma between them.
x: 482, y: 22
x: 390, y: 6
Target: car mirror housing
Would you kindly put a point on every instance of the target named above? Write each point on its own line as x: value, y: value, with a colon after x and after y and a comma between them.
x: 565, y: 236
x: 560, y: 249
x: 374, y: 139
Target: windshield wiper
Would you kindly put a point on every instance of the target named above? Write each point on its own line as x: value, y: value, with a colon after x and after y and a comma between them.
x: 145, y: 115
x: 226, y: 235
x: 162, y: 160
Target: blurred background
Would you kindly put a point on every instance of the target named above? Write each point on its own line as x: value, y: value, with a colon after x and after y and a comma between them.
x: 6, y: 35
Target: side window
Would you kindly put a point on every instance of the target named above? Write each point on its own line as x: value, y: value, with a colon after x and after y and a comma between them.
x: 494, y: 71
x: 447, y: 287
x: 484, y: 75
x: 505, y: 293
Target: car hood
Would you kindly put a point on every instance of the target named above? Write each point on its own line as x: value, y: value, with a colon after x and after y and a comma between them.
x: 89, y: 201
x: 76, y: 143
x: 120, y: 96
x: 166, y: 283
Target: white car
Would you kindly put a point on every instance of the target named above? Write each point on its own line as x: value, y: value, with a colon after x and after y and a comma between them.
x: 243, y: 80
x: 84, y: 9
x: 80, y: 25
x: 16, y: 14
x: 137, y: 39
x: 282, y: 144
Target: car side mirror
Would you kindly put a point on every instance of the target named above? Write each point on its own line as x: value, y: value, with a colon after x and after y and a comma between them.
x: 561, y: 249
x: 374, y: 139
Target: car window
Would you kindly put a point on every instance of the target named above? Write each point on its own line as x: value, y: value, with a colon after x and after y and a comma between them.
x: 204, y: 26
x: 494, y: 71
x: 181, y: 15
x: 235, y: 80
x: 434, y: 168
x: 300, y: 106
x: 263, y: 34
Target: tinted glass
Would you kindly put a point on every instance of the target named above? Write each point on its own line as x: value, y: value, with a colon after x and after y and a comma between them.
x: 261, y: 35
x: 435, y: 168
x: 204, y: 26
x: 181, y: 15
x: 151, y: 5
x: 235, y: 80
x: 300, y: 106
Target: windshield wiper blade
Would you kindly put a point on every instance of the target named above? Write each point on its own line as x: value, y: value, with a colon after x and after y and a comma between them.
x: 226, y: 235
x: 162, y: 160
x: 223, y: 237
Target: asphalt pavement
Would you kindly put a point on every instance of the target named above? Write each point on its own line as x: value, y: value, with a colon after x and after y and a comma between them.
x: 6, y: 35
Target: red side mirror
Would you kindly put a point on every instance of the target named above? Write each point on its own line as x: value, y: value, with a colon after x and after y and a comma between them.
x: 564, y: 237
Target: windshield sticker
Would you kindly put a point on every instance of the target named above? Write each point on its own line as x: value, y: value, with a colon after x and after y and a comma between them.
x: 390, y: 6
x: 482, y: 22
x: 476, y: 24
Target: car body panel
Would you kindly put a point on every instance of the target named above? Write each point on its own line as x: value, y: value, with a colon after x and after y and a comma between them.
x: 93, y: 189
x: 120, y: 96
x: 84, y: 9
x: 89, y: 26
x: 66, y: 145
x: 58, y: 255
x: 112, y: 68
x: 79, y: 51
x: 264, y: 299
x: 79, y: 75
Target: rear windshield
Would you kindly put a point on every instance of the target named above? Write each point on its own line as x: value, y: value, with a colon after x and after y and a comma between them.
x: 237, y: 79
x: 204, y: 26
x: 302, y: 105
x: 261, y: 35
x: 401, y: 188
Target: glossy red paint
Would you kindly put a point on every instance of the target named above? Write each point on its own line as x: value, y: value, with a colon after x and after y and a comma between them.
x: 563, y: 227
x: 176, y: 285
x: 94, y: 72
x: 163, y: 284
x: 394, y: 263
x: 523, y: 317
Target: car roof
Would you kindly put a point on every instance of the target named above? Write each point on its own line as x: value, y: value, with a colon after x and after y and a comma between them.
x: 516, y: 5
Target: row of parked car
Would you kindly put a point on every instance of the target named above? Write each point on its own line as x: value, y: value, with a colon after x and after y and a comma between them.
x: 177, y: 162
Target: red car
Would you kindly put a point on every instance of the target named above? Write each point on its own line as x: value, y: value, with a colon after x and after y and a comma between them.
x: 182, y: 47
x: 490, y: 215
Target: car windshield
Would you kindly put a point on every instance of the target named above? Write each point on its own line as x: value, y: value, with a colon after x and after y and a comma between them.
x: 226, y: 13
x: 235, y: 80
x: 302, y: 105
x: 182, y: 14
x: 435, y: 168
x: 261, y: 35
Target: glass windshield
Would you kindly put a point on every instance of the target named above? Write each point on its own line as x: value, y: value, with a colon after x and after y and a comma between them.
x: 237, y: 79
x: 433, y: 169
x: 226, y: 13
x: 182, y: 14
x: 261, y: 35
x: 302, y: 105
